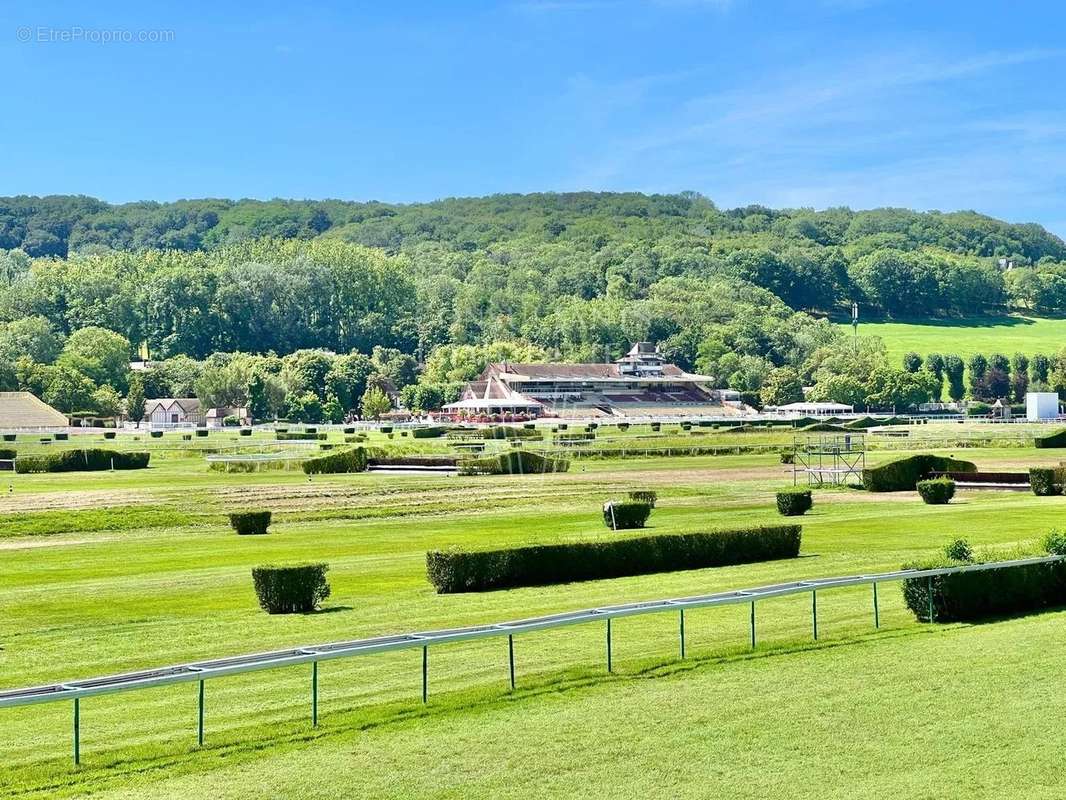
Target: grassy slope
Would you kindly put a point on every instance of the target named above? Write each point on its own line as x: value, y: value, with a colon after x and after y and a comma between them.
x: 91, y: 602
x: 965, y: 336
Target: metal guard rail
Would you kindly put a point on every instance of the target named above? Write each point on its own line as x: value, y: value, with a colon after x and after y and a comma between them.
x: 202, y: 670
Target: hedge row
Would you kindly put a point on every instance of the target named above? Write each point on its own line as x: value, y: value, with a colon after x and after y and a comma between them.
x: 794, y: 502
x: 250, y: 523
x: 87, y: 460
x: 1057, y: 439
x: 903, y: 474
x: 352, y: 460
x: 428, y: 433
x: 513, y: 462
x: 540, y: 565
x: 625, y: 516
x: 292, y: 589
x: 985, y: 593
x: 7, y: 455
x: 1047, y: 481
x: 298, y: 435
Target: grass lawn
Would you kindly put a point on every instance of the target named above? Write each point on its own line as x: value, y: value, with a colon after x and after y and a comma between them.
x: 107, y: 572
x: 1005, y: 334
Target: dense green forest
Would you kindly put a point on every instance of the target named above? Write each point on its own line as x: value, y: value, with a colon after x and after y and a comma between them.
x: 224, y: 294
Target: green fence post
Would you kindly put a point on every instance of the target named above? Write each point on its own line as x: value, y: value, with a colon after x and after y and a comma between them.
x: 752, y: 624
x: 682, y: 633
x: 200, y: 715
x: 609, y: 665
x: 314, y: 694
x: 814, y: 612
x: 929, y: 590
x: 425, y: 673
x: 877, y: 615
x: 510, y: 656
x: 77, y: 731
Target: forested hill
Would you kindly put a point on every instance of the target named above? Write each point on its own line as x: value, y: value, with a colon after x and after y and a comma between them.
x: 736, y: 293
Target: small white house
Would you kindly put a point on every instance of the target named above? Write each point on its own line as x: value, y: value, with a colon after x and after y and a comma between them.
x: 165, y: 411
x: 1041, y: 405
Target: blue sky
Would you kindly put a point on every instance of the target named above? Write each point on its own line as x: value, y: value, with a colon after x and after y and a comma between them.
x: 826, y: 102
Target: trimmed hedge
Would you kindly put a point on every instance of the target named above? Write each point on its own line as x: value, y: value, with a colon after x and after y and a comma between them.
x: 615, y: 557
x: 245, y: 432
x: 513, y: 462
x: 352, y: 460
x: 7, y: 454
x: 1046, y: 481
x: 978, y: 595
x: 1057, y: 439
x: 506, y: 432
x: 644, y: 496
x: 298, y: 436
x: 434, y: 432
x: 794, y: 502
x: 9, y: 437
x: 88, y: 460
x: 250, y: 523
x: 156, y: 434
x: 903, y: 474
x: 824, y: 427
x: 202, y: 431
x: 625, y: 516
x: 295, y: 589
x: 936, y: 492
x: 109, y: 434
x: 61, y: 437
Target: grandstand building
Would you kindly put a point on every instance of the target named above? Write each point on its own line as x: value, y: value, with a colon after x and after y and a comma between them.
x: 640, y: 383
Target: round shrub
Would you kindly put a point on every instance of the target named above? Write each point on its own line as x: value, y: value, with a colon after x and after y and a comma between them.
x: 292, y: 589
x: 250, y: 523
x: 959, y: 550
x: 624, y: 516
x: 156, y: 434
x: 794, y: 502
x: 937, y: 492
x: 788, y: 458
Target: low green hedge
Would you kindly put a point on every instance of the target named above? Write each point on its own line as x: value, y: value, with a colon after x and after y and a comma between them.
x: 1046, y: 481
x: 507, y: 432
x: 88, y: 460
x: 794, y: 502
x: 250, y: 523
x: 1057, y: 439
x: 513, y: 462
x: 294, y: 589
x: 245, y: 432
x: 202, y: 431
x: 615, y: 557
x: 8, y: 454
x: 298, y: 436
x: 936, y: 492
x: 824, y: 427
x: 981, y: 594
x: 903, y: 474
x: 625, y: 516
x: 109, y: 434
x: 61, y: 437
x: 9, y: 437
x: 155, y: 434
x: 351, y: 460
x: 434, y: 432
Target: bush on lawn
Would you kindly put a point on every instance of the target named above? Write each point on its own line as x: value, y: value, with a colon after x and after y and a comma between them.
x: 296, y: 436
x: 1046, y: 481
x: 513, y: 462
x: 156, y: 434
x: 1055, y: 542
x: 1057, y: 439
x: 62, y: 437
x: 794, y: 502
x: 295, y: 589
x: 7, y: 454
x: 507, y: 432
x: 245, y: 432
x: 903, y: 474
x: 959, y: 550
x: 250, y: 523
x: 109, y: 434
x: 625, y: 516
x: 386, y: 429
x: 540, y: 565
x: 644, y: 496
x: 351, y: 460
x: 965, y: 596
x: 936, y: 492
x: 348, y: 430
x: 9, y: 437
x: 88, y: 460
x: 202, y: 431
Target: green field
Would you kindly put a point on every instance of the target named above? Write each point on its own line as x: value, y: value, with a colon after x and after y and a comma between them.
x: 108, y: 572
x: 1006, y: 334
